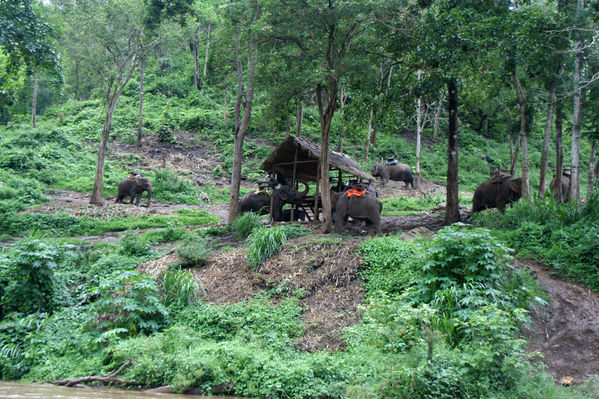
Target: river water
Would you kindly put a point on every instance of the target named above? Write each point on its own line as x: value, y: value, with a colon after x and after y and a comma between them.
x: 16, y: 390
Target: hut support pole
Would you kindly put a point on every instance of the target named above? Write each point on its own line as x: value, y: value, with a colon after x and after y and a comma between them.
x: 316, y: 212
x: 294, y: 183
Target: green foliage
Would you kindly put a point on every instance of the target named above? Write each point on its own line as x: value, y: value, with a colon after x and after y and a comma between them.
x: 457, y: 256
x: 180, y: 287
x: 132, y: 244
x: 193, y: 252
x: 388, y: 264
x: 128, y: 304
x: 245, y: 224
x: 264, y: 242
x: 27, y: 278
x: 14, y: 339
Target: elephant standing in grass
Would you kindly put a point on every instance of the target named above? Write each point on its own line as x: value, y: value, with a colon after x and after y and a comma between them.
x: 359, y: 204
x: 258, y: 202
x: 134, y: 186
x: 497, y: 193
x: 398, y: 172
x: 281, y: 194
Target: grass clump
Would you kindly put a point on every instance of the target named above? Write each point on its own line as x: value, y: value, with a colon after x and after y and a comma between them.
x: 180, y: 287
x: 193, y: 252
x: 264, y: 242
x: 245, y: 224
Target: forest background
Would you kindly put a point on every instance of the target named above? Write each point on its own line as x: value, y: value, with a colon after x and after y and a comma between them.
x: 421, y: 80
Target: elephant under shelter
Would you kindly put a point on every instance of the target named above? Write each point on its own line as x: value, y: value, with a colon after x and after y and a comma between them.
x: 297, y: 160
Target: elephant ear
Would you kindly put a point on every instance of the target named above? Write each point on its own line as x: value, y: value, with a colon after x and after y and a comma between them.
x: 516, y: 185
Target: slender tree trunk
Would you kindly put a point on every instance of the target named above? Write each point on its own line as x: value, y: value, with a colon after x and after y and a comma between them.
x: 288, y: 132
x: 342, y: 98
x: 96, y: 197
x: 206, y: 57
x: 574, y: 191
x: 559, y: 150
x: 326, y: 117
x: 546, y: 139
x: 34, y: 101
x: 452, y: 210
x: 77, y: 80
x: 196, y: 59
x: 523, y: 140
x: 419, y: 128
x: 369, y: 132
x: 437, y: 116
x: 142, y: 63
x: 242, y: 125
x: 591, y: 175
x: 514, y: 157
x: 300, y: 119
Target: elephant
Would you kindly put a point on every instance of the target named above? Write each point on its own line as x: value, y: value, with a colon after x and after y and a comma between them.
x: 281, y: 194
x: 285, y: 194
x: 565, y: 180
x: 398, y: 172
x: 497, y: 193
x: 298, y: 214
x: 134, y: 186
x: 255, y: 202
x: 365, y: 207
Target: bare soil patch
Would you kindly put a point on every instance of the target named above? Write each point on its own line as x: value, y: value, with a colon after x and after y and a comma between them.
x: 567, y: 330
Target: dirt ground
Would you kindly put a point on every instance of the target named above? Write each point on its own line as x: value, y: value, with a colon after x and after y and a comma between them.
x: 327, y: 273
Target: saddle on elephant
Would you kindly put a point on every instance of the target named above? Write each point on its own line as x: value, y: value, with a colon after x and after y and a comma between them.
x: 499, y: 177
x: 357, y: 189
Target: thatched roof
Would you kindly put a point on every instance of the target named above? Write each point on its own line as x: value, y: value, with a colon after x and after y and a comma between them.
x: 308, y: 154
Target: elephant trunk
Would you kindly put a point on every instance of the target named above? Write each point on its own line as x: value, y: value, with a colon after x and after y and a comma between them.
x: 302, y: 194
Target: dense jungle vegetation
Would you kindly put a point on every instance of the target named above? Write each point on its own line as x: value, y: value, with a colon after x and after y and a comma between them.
x: 86, y: 85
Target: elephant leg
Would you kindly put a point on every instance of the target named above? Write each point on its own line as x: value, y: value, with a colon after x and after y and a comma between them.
x: 131, y: 196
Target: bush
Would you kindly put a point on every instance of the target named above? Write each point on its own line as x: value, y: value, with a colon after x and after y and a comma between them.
x: 180, y: 287
x: 245, y: 224
x: 28, y: 282
x: 132, y: 244
x: 263, y: 243
x: 193, y: 253
x: 127, y: 305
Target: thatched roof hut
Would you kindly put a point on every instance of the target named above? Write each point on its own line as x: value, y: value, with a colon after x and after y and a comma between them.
x: 299, y: 158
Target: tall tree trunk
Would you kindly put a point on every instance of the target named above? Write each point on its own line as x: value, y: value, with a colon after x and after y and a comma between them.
x: 300, y: 119
x: 96, y: 197
x: 437, y: 116
x: 34, y: 101
x: 326, y: 117
x: 342, y: 98
x: 547, y: 138
x: 288, y: 130
x: 206, y: 57
x: 514, y: 156
x: 523, y: 140
x: 559, y: 150
x: 591, y: 175
x: 369, y: 132
x: 452, y: 209
x: 142, y: 63
x: 574, y: 191
x: 419, y: 128
x: 196, y: 59
x: 241, y: 125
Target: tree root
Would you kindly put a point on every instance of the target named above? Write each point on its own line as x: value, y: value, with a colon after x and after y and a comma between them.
x: 111, y: 378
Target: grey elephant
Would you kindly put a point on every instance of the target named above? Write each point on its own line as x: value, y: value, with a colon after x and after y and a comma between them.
x: 359, y: 204
x: 565, y: 180
x: 134, y: 187
x: 257, y: 201
x: 285, y: 194
x: 398, y: 172
x: 497, y: 193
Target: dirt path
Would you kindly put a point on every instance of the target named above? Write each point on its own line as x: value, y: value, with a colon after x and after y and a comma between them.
x: 567, y: 330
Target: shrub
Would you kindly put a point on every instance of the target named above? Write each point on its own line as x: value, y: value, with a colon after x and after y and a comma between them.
x: 127, y: 305
x: 245, y: 224
x: 132, y: 244
x: 180, y: 287
x: 264, y: 242
x: 27, y: 279
x: 193, y: 253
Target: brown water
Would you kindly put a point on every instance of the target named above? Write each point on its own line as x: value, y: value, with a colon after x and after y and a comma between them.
x: 16, y: 390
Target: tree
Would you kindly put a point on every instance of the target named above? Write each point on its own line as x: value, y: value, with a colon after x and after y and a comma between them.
x: 242, y: 16
x: 110, y: 36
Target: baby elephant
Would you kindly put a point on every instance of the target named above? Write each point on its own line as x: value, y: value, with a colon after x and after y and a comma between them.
x: 134, y: 186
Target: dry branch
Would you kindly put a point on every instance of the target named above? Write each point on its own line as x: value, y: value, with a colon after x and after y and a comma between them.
x: 96, y: 378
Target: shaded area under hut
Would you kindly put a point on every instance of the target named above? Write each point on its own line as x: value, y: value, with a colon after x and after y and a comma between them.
x: 298, y: 159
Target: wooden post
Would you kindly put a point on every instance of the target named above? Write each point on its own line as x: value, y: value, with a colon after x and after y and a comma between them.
x: 316, y: 212
x: 293, y: 184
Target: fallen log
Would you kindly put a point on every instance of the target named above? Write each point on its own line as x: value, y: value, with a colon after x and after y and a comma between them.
x: 111, y: 378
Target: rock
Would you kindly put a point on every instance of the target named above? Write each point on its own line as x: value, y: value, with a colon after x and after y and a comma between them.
x: 567, y: 380
x: 415, y: 233
x: 164, y: 389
